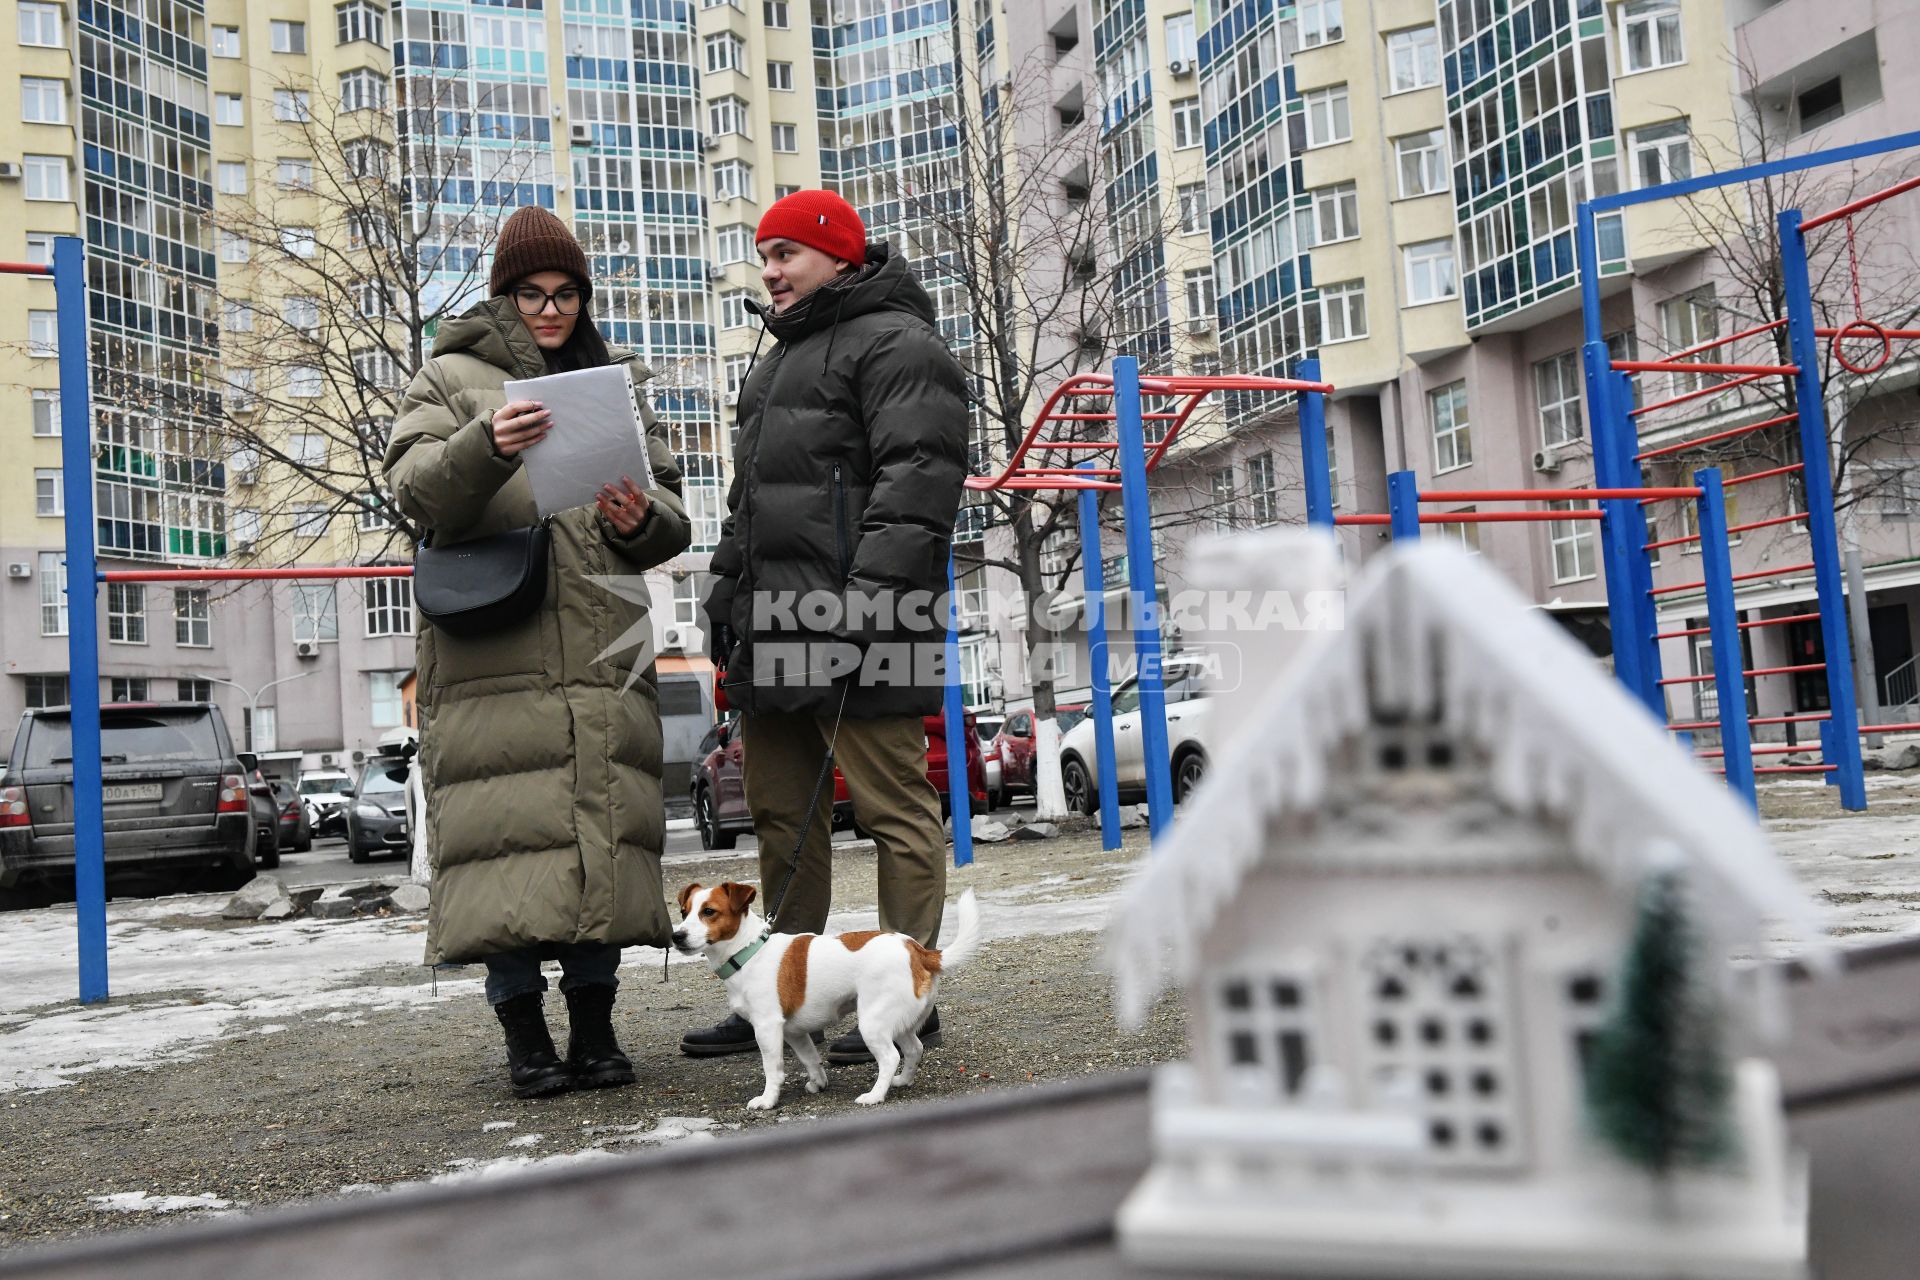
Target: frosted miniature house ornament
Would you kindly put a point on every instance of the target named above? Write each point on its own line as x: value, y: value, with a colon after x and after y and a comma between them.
x: 1452, y: 913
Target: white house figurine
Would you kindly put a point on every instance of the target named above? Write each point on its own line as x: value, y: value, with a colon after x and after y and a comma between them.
x: 1454, y: 916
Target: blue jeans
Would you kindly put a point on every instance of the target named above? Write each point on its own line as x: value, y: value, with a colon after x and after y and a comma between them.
x: 582, y: 964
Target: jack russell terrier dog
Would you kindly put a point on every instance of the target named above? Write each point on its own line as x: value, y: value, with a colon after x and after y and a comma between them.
x: 790, y: 985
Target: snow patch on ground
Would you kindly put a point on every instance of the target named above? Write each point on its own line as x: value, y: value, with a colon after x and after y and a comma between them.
x: 527, y: 1140
x: 494, y: 1126
x: 668, y: 1131
x: 146, y: 1202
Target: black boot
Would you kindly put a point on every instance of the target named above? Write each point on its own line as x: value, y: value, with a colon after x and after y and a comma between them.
x: 536, y: 1068
x: 733, y: 1034
x: 851, y: 1048
x: 593, y: 1055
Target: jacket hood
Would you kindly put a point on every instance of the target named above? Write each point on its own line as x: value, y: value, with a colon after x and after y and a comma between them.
x: 882, y: 283
x: 492, y: 331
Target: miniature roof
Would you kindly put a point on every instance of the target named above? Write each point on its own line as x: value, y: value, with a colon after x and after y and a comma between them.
x: 1428, y: 623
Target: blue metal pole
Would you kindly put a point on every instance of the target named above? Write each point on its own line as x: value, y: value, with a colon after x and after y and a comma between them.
x: 1619, y: 520
x: 1723, y: 623
x: 83, y: 653
x: 1626, y: 471
x: 1313, y: 448
x: 1403, y: 505
x: 1586, y: 243
x: 1821, y: 533
x: 1145, y: 600
x: 1093, y: 576
x: 959, y: 799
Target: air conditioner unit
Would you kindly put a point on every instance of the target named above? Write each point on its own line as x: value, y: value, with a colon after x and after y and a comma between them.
x: 581, y: 135
x: 242, y: 545
x: 716, y: 272
x: 673, y: 639
x: 306, y: 649
x: 11, y: 171
x: 246, y: 477
x: 326, y: 761
x: 1199, y: 324
x: 709, y: 142
x: 19, y: 569
x: 1180, y: 67
x: 731, y: 398
x: 359, y: 757
x: 1546, y: 461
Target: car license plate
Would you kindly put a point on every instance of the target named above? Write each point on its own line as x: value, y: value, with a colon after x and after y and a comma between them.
x: 131, y: 791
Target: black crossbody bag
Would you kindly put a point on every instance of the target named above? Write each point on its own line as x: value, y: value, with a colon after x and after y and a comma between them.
x: 482, y: 586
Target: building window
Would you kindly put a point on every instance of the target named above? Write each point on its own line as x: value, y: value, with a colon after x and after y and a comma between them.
x: 363, y: 89
x: 303, y: 382
x: 1465, y: 533
x: 733, y: 180
x: 1422, y: 161
x: 229, y: 109
x: 688, y: 591
x: 226, y: 42
x: 310, y: 520
x: 1183, y: 45
x: 1687, y: 321
x: 1336, y: 213
x: 733, y: 309
x: 1431, y: 276
x: 386, y: 708
x: 43, y: 333
x: 1320, y: 23
x: 53, y: 594
x: 734, y: 243
x: 46, y: 413
x: 1263, y: 499
x: 298, y: 242
x: 1690, y: 522
x: 243, y: 527
x: 40, y: 25
x: 40, y: 248
x: 389, y: 606
x: 192, y: 618
x: 1661, y: 153
x: 43, y: 101
x: 359, y: 20
x: 128, y: 689
x: 193, y: 690
x: 1556, y: 388
x: 733, y: 373
x: 1452, y: 436
x: 1413, y: 59
x: 780, y: 75
x: 47, y: 492
x: 775, y: 13
x: 233, y: 247
x: 1573, y: 545
x: 230, y: 178
x: 725, y: 52
x: 372, y: 517
x: 240, y: 389
x: 314, y: 613
x: 1193, y: 209
x: 287, y: 37
x: 1343, y: 312
x: 292, y: 105
x: 1327, y: 119
x: 782, y: 190
x: 1895, y: 491
x: 786, y: 138
x: 372, y: 299
x: 1200, y: 299
x: 1221, y: 500
x: 307, y: 448
x: 1650, y: 34
x: 1186, y: 123
x: 46, y: 691
x: 727, y: 115
x: 46, y: 177
x: 1821, y: 104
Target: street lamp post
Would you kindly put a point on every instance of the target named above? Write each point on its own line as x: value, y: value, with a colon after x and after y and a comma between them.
x: 253, y: 699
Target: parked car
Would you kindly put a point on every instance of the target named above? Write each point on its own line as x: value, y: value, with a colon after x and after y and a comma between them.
x: 296, y: 829
x: 720, y: 800
x: 377, y: 811
x: 266, y: 816
x: 1015, y: 746
x: 175, y: 793
x: 325, y: 792
x: 1186, y: 743
x: 987, y: 728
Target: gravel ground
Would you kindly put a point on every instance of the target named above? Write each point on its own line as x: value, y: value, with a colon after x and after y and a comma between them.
x: 324, y: 1107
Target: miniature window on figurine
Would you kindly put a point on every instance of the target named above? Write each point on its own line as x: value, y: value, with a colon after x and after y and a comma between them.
x: 1266, y: 1033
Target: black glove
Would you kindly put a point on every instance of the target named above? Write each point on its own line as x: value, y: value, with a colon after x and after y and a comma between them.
x: 720, y: 644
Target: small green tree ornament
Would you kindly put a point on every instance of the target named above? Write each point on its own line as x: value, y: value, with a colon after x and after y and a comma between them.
x: 1658, y: 1087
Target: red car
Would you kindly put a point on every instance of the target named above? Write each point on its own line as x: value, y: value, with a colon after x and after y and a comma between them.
x: 1015, y: 744
x: 720, y: 800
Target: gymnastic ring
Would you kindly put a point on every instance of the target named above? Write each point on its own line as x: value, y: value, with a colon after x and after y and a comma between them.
x: 1862, y: 329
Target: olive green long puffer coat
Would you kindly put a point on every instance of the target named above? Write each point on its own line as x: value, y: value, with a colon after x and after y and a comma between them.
x: 542, y: 765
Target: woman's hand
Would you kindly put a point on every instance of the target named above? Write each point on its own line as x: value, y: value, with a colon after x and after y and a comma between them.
x: 518, y: 425
x: 623, y: 505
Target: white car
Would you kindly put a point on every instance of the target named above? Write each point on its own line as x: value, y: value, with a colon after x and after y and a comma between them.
x: 324, y: 792
x: 1186, y: 743
x: 988, y: 727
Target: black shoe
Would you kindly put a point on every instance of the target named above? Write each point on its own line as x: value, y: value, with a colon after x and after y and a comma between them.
x: 851, y: 1048
x: 593, y: 1056
x: 536, y: 1069
x: 733, y: 1034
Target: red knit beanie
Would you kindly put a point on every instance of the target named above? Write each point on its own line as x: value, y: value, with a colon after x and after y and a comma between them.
x: 818, y: 219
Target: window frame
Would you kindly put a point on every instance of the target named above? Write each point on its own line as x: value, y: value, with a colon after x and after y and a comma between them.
x: 1343, y: 291
x: 52, y: 570
x: 40, y: 91
x: 1408, y: 41
x: 126, y: 613
x: 1426, y: 256
x: 1337, y: 100
x: 1582, y: 536
x: 52, y: 503
x: 52, y: 172
x: 286, y: 36
x: 1659, y: 142
x: 1568, y: 406
x: 1342, y: 199
x: 1320, y: 23
x: 1188, y: 123
x: 1650, y: 18
x: 41, y: 13
x: 1432, y: 157
x: 192, y: 613
x: 1453, y: 438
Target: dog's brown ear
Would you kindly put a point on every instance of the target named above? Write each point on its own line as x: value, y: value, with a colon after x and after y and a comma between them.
x: 686, y: 897
x: 739, y: 895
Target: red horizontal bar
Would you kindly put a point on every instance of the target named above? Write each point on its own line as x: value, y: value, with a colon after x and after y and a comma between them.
x: 1552, y: 495
x: 1784, y: 749
x: 1715, y: 724
x: 1104, y: 417
x: 1695, y: 394
x: 1721, y: 342
x: 1073, y: 444
x: 1697, y: 441
x: 1691, y: 366
x: 1669, y: 542
x: 1477, y: 517
x: 1889, y: 728
x: 257, y: 575
x: 1751, y: 476
x: 1787, y: 671
x: 1067, y: 471
x: 1738, y: 577
x: 1195, y: 384
x: 1832, y: 215
x: 1794, y: 768
x: 25, y: 269
x: 1751, y: 525
x: 1364, y: 517
x: 1903, y: 334
x: 1757, y: 622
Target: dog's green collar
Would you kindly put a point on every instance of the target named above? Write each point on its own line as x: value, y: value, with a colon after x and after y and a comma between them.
x: 738, y: 960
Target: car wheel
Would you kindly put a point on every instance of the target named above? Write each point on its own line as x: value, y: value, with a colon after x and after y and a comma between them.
x: 711, y: 836
x: 269, y: 860
x: 304, y: 844
x: 1187, y: 772
x: 354, y: 852
x: 1078, y: 786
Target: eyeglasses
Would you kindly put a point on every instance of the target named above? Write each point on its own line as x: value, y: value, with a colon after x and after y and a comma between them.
x: 532, y: 301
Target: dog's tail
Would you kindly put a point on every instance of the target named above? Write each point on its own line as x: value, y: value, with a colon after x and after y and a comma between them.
x: 966, y: 939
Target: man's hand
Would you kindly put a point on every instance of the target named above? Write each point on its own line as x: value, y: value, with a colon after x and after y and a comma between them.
x: 623, y: 504
x: 720, y: 644
x: 518, y: 425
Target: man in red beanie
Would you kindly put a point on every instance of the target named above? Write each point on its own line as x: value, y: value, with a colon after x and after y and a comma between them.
x: 827, y: 608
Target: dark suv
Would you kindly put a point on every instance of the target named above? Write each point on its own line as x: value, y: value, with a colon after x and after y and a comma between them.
x: 175, y: 792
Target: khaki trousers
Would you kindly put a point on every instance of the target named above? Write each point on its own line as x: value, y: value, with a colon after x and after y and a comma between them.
x: 885, y: 764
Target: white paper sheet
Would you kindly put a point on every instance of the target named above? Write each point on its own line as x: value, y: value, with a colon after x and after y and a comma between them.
x: 596, y: 436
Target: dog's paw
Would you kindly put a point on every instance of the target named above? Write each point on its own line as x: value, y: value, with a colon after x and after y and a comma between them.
x: 761, y: 1103
x: 870, y: 1097
x: 903, y: 1080
x: 816, y: 1085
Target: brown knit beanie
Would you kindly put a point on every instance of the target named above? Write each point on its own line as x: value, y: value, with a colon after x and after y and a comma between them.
x: 534, y: 240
